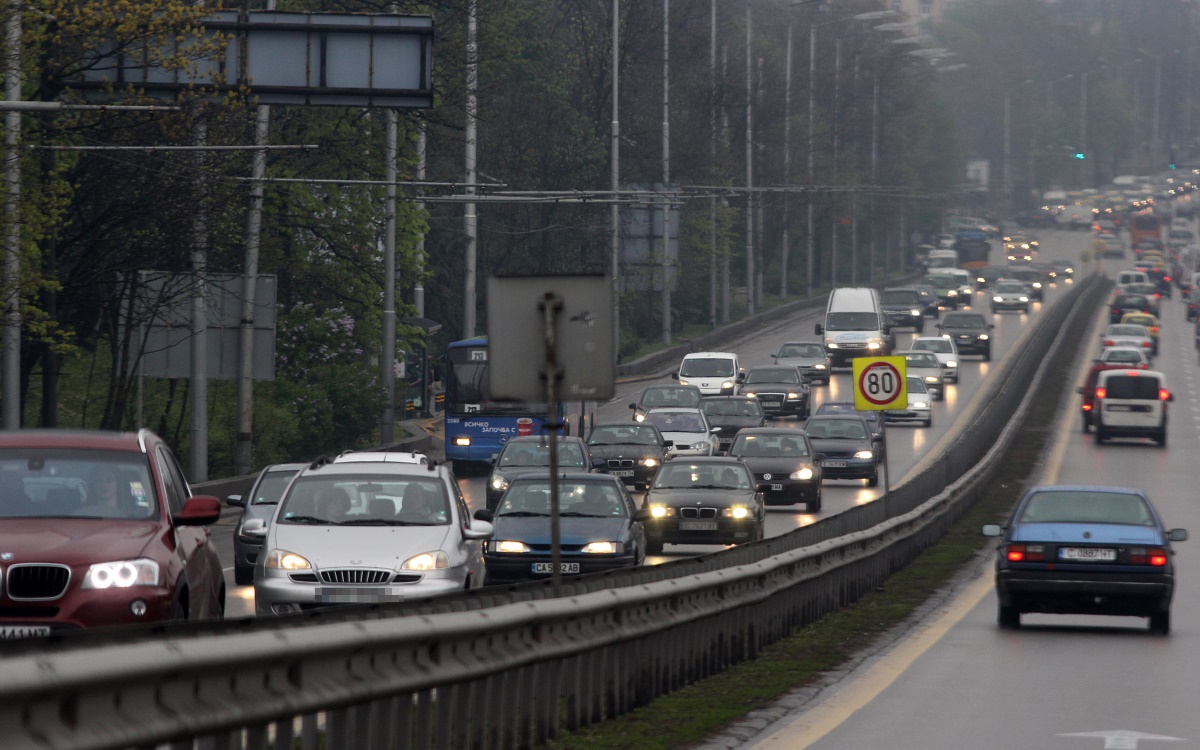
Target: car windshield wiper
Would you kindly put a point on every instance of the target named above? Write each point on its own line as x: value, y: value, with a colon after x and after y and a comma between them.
x: 524, y: 514
x: 306, y: 519
x: 380, y: 522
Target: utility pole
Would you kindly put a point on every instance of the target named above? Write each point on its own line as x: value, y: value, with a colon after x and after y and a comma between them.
x: 712, y: 160
x: 749, y: 167
x: 784, y: 244
x: 812, y: 67
x: 666, y: 166
x: 12, y: 213
x: 470, y: 226
x: 615, y: 183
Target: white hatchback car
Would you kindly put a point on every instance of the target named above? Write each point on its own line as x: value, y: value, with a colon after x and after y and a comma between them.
x: 925, y: 365
x: 920, y: 408
x: 687, y: 429
x: 946, y: 352
x: 1131, y: 403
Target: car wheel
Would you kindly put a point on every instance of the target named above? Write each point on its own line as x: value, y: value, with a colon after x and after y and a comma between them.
x: 814, y: 505
x: 243, y: 575
x: 1087, y: 426
x: 653, y: 546
x: 873, y: 480
x: 221, y: 602
x: 929, y: 422
x: 987, y: 355
x: 1009, y: 618
x: 1100, y: 436
x: 1160, y: 622
x: 1161, y: 438
x: 179, y: 610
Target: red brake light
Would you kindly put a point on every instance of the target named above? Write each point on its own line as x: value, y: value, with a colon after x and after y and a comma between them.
x: 1087, y: 407
x: 1163, y: 394
x: 1101, y: 392
x: 1132, y: 373
x: 1155, y: 556
x: 1145, y: 344
x: 1158, y: 557
x: 1025, y: 553
x: 1165, y: 278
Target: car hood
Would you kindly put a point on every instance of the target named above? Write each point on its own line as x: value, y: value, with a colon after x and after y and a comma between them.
x: 972, y: 331
x: 573, y: 531
x: 841, y: 444
x: 700, y: 497
x: 771, y: 385
x: 733, y: 423
x: 685, y: 438
x: 800, y: 361
x: 511, y: 472
x: 625, y: 450
x: 780, y: 466
x: 1087, y: 533
x: 358, y: 546
x: 74, y: 541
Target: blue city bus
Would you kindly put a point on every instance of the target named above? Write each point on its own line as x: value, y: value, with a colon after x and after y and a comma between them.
x: 478, y: 427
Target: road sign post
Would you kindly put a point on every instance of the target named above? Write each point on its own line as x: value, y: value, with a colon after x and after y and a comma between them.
x: 880, y: 384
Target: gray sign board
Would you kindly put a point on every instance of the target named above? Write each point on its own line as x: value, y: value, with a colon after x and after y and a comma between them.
x: 583, y: 336
x: 335, y: 59
x: 165, y: 312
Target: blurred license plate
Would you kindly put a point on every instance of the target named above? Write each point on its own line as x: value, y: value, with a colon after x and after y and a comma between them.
x: 622, y: 473
x: 772, y: 403
x: 23, y: 631
x: 358, y: 595
x: 834, y: 464
x: 1126, y: 407
x: 566, y: 567
x: 1100, y: 554
x: 697, y: 525
x: 777, y: 487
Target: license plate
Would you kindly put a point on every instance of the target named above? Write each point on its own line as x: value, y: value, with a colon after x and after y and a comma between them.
x: 622, y: 473
x: 697, y: 525
x: 772, y: 403
x: 563, y: 567
x: 10, y: 632
x: 358, y: 595
x: 777, y: 488
x: 834, y: 464
x: 1126, y: 407
x: 1097, y: 554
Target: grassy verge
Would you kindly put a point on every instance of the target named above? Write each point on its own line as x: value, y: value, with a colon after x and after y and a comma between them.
x: 711, y: 705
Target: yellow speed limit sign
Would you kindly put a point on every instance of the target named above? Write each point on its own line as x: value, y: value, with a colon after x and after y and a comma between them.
x: 879, y: 383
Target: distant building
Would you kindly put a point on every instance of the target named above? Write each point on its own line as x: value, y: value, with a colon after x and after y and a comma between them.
x: 919, y: 9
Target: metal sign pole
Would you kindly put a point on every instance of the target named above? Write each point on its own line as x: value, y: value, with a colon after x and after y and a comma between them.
x: 550, y: 306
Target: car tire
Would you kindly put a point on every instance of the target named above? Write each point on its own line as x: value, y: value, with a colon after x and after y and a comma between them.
x: 1101, y: 437
x: 929, y: 422
x: 221, y: 602
x: 873, y: 480
x: 1009, y: 618
x: 1161, y: 438
x: 987, y: 355
x: 814, y: 505
x: 1087, y: 426
x: 1160, y: 622
x: 653, y: 547
x: 179, y: 610
x: 243, y: 575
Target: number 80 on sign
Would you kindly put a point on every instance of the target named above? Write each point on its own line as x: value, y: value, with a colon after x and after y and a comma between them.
x: 879, y: 383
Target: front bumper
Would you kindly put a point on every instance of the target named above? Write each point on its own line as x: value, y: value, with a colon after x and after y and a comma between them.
x: 790, y: 492
x: 908, y: 415
x: 972, y: 345
x: 277, y: 593
x: 517, y: 568
x: 727, y: 531
x: 855, y: 468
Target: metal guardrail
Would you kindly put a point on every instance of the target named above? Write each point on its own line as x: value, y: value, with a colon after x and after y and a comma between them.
x: 504, y: 668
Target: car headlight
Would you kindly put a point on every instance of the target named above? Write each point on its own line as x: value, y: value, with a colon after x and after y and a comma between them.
x: 997, y: 298
x: 751, y: 394
x: 507, y: 546
x: 1024, y: 299
x: 932, y: 379
x: 792, y: 396
x: 920, y: 405
x: 737, y: 511
x: 727, y: 384
x: 427, y: 561
x: 803, y: 474
x: 650, y: 462
x: 864, y: 454
x: 281, y: 559
x: 700, y: 446
x: 639, y: 417
x: 661, y: 511
x: 914, y: 313
x: 121, y: 574
x: 945, y: 335
x: 499, y: 483
x: 462, y: 442
x: 952, y: 293
x: 1037, y: 285
x: 873, y: 345
x: 830, y: 345
x: 683, y: 382
x: 983, y: 337
x: 951, y: 363
x: 818, y: 367
x: 604, y: 548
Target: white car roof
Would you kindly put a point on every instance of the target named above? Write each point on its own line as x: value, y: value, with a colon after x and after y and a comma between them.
x: 397, y: 457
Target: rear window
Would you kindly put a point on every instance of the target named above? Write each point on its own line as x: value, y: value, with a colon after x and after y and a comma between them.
x: 1133, y: 387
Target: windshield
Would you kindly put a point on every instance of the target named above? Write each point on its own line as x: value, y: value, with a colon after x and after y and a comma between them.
x: 1138, y: 331
x: 786, y: 375
x: 1010, y: 287
x: 670, y: 395
x: 622, y: 435
x: 1123, y: 356
x: 934, y: 345
x: 731, y: 407
x: 1087, y: 507
x: 706, y: 367
x: 522, y: 453
x: 365, y: 500
x: 271, y: 488
x: 761, y: 446
x: 900, y: 297
x: 680, y: 475
x: 915, y: 385
x: 922, y: 360
x: 593, y: 499
x: 851, y: 321
x: 845, y: 429
x: 802, y: 351
x: 77, y: 484
x: 942, y: 262
x: 674, y: 421
x: 963, y: 321
x: 467, y: 385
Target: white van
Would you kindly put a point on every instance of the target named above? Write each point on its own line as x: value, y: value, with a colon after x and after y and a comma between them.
x: 714, y: 373
x: 1131, y: 403
x: 942, y: 259
x: 855, y: 326
x: 1125, y: 278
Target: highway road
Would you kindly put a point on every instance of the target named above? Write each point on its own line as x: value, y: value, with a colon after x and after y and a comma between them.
x: 1069, y: 682
x: 906, y: 444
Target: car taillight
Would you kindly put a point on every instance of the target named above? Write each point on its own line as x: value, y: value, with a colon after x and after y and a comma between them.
x: 1154, y: 330
x: 1154, y: 556
x: 1163, y: 394
x: 1145, y: 344
x: 1026, y: 553
x: 1108, y: 342
x: 1087, y: 407
x: 1101, y: 393
x: 1166, y: 278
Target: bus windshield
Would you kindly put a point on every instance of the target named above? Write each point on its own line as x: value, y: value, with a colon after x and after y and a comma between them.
x: 467, y: 385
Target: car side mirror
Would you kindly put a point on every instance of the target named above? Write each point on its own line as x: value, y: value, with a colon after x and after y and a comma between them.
x: 640, y: 486
x: 200, y: 510
x: 254, y: 527
x: 817, y: 329
x: 237, y: 501
x: 479, y: 530
x: 991, y: 326
x: 774, y: 356
x: 641, y: 514
x: 633, y: 406
x: 483, y: 514
x: 668, y: 443
x: 675, y: 375
x: 741, y: 378
x: 1079, y: 389
x: 992, y: 529
x: 1177, y: 535
x: 1170, y: 397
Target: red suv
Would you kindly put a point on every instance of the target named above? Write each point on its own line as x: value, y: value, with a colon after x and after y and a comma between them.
x: 1088, y: 390
x: 99, y: 529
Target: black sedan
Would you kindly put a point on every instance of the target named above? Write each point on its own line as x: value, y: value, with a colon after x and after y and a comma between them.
x: 779, y: 388
x: 969, y: 331
x: 1127, y: 303
x: 710, y: 500
x: 729, y: 414
x: 531, y: 454
x: 844, y: 445
x: 632, y: 452
x: 664, y: 396
x: 875, y: 420
x: 1085, y: 550
x: 598, y: 528
x: 784, y: 464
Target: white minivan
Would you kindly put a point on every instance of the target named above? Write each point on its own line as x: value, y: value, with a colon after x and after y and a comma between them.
x: 1131, y: 403
x: 714, y: 373
x: 855, y: 326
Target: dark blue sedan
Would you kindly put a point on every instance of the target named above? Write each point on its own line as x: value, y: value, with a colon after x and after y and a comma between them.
x: 597, y: 526
x: 1085, y: 550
